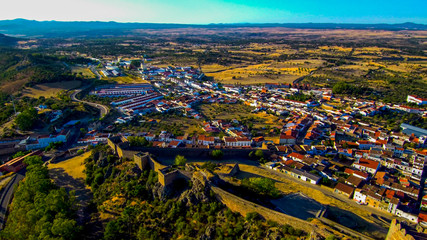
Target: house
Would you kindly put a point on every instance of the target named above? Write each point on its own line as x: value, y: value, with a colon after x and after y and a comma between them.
x: 175, y: 144
x: 367, y: 165
x: 354, y: 181
x: 301, y: 174
x: 43, y: 141
x: 374, y: 199
x: 392, y: 205
x: 287, y: 139
x: 416, y: 99
x: 422, y: 218
x: 344, y: 189
x: 296, y: 156
x: 359, y: 196
x: 237, y: 142
x: 364, y: 144
x: 205, y: 140
x: 405, y: 212
x: 357, y: 173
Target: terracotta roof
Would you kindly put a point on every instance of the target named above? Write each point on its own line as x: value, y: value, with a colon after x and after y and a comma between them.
x: 354, y: 181
x: 395, y: 200
x: 368, y: 163
x: 296, y: 155
x: 344, y: 188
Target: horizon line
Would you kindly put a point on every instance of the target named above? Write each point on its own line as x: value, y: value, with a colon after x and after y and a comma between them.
x: 230, y: 23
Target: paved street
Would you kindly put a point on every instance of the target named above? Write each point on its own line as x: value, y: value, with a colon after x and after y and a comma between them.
x: 7, y: 194
x: 103, y: 109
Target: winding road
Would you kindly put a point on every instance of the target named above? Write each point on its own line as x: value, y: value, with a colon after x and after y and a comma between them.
x: 103, y: 109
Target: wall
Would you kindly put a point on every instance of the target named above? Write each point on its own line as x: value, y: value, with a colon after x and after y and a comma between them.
x: 397, y: 232
x: 242, y: 206
x: 165, y: 177
x: 121, y: 146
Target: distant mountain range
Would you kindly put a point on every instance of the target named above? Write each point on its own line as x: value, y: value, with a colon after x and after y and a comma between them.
x: 32, y: 28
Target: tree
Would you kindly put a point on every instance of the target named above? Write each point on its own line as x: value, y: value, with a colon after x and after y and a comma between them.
x: 26, y: 119
x: 180, y: 160
x: 136, y: 141
x: 218, y: 154
x: 262, y: 186
x: 19, y: 154
x: 259, y: 154
x: 135, y: 63
x: 83, y: 131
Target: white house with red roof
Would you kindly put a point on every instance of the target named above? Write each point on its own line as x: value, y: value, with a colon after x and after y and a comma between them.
x: 416, y: 99
x: 367, y: 165
x: 205, y: 140
x: 287, y: 139
x: 296, y: 156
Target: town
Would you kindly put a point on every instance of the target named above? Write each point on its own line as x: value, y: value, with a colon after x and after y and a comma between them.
x: 175, y: 131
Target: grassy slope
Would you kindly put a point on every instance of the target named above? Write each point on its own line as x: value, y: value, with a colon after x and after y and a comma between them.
x: 73, y: 166
x: 50, y: 89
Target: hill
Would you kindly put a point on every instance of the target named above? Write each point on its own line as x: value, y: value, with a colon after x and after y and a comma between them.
x: 7, y: 41
x: 20, y: 68
x: 96, y: 29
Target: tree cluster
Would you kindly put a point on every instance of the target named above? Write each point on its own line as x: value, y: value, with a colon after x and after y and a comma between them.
x: 26, y: 119
x: 41, y: 210
x: 261, y: 186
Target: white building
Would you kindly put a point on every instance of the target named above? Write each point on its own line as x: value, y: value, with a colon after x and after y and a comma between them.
x: 237, y: 142
x: 416, y: 99
x: 359, y: 196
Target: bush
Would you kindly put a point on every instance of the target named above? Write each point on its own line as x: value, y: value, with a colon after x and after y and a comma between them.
x: 217, y: 154
x: 136, y: 141
x: 209, y: 166
x: 180, y: 160
x: 262, y: 186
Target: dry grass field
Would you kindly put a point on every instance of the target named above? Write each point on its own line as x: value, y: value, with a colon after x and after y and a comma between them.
x: 85, y: 72
x: 126, y: 79
x: 73, y: 166
x: 50, y: 89
x: 270, y: 72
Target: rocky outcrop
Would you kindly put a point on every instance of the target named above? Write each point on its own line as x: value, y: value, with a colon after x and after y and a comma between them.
x: 161, y: 192
x: 274, y: 234
x: 197, y: 194
x: 209, y: 233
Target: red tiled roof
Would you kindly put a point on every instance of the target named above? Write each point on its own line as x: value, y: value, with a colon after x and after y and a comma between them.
x: 296, y: 155
x: 368, y: 163
x: 344, y: 188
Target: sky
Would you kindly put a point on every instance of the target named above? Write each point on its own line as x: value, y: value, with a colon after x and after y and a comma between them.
x: 219, y: 11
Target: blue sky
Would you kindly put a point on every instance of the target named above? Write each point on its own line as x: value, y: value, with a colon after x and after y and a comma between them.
x: 219, y: 11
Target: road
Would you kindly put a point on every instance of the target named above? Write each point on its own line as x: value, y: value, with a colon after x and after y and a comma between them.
x: 93, y: 69
x: 296, y: 81
x: 103, y: 109
x: 7, y: 194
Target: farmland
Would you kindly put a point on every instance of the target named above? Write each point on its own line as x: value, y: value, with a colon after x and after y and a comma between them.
x: 50, y: 89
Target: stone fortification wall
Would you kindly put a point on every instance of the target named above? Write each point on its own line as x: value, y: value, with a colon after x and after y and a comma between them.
x: 398, y: 232
x: 121, y: 147
x: 242, y: 206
